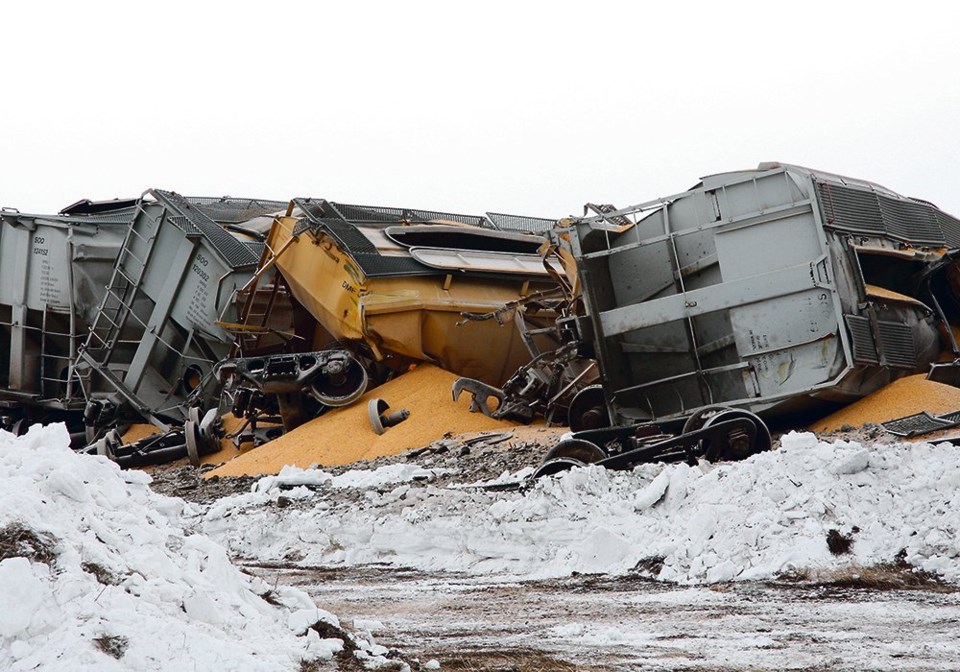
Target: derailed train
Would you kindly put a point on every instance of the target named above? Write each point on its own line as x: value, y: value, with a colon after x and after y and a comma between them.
x: 54, y: 269
x: 782, y: 290
x: 189, y: 304
x: 113, y: 305
x: 777, y: 291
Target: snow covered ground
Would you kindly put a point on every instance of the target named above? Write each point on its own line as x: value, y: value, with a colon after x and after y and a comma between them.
x: 98, y: 572
x: 497, y: 570
x: 687, y: 524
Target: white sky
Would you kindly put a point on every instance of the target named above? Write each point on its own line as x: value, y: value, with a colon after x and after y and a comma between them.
x: 529, y: 108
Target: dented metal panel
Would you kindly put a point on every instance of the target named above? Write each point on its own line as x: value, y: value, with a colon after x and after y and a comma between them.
x: 463, y: 261
x: 350, y: 267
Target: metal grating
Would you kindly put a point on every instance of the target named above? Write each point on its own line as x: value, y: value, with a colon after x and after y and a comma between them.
x: 302, y: 226
x: 917, y: 424
x: 377, y: 213
x: 235, y: 210
x: 356, y: 213
x: 349, y: 236
x: 184, y: 225
x: 953, y: 417
x: 851, y: 209
x: 907, y: 219
x: 910, y: 220
x: 897, y: 344
x: 520, y: 223
x: 606, y: 209
x: 236, y: 253
x: 864, y: 348
x: 429, y: 216
x: 379, y: 266
x: 365, y: 253
x: 314, y: 209
x: 951, y: 228
x: 255, y: 246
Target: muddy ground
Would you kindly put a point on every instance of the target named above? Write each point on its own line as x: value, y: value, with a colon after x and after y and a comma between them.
x: 494, y: 624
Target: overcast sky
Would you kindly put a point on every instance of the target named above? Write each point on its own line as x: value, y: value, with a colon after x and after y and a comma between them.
x: 528, y: 108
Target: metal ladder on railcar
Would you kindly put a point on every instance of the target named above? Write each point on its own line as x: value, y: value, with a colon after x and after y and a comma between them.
x: 107, y: 332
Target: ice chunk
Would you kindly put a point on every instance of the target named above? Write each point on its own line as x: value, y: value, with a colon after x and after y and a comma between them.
x: 21, y: 596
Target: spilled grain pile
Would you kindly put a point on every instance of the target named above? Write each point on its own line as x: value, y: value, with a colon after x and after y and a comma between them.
x: 344, y: 435
x: 228, y: 450
x: 902, y: 397
x: 137, y: 431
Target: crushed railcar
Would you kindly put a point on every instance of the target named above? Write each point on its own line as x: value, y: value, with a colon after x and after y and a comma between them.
x: 471, y: 294
x: 780, y: 290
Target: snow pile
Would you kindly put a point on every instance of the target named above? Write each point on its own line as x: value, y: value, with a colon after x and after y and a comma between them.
x: 98, y: 573
x: 708, y: 523
x: 291, y: 476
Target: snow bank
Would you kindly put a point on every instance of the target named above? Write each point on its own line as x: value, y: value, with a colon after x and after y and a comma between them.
x: 291, y: 476
x: 708, y: 523
x: 110, y: 579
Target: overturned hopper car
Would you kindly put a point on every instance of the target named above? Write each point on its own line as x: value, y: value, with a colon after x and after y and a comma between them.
x: 54, y: 270
x: 779, y: 290
x: 155, y: 339
x: 412, y: 285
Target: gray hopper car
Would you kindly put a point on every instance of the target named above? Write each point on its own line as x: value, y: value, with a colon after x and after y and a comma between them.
x: 776, y: 290
x: 116, y: 303
x: 156, y: 337
x: 55, y: 268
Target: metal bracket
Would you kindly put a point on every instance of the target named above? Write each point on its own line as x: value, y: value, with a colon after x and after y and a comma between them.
x: 480, y: 393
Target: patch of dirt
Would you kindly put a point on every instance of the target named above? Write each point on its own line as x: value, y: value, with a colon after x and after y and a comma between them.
x: 516, y: 660
x: 188, y: 483
x: 104, y: 575
x: 113, y: 646
x: 595, y: 584
x: 883, y: 577
x: 345, y: 659
x: 19, y: 541
x: 482, y: 457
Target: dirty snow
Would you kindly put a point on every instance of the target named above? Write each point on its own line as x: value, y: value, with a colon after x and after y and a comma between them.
x: 126, y: 586
x: 705, y: 523
x: 291, y: 476
x: 146, y: 576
